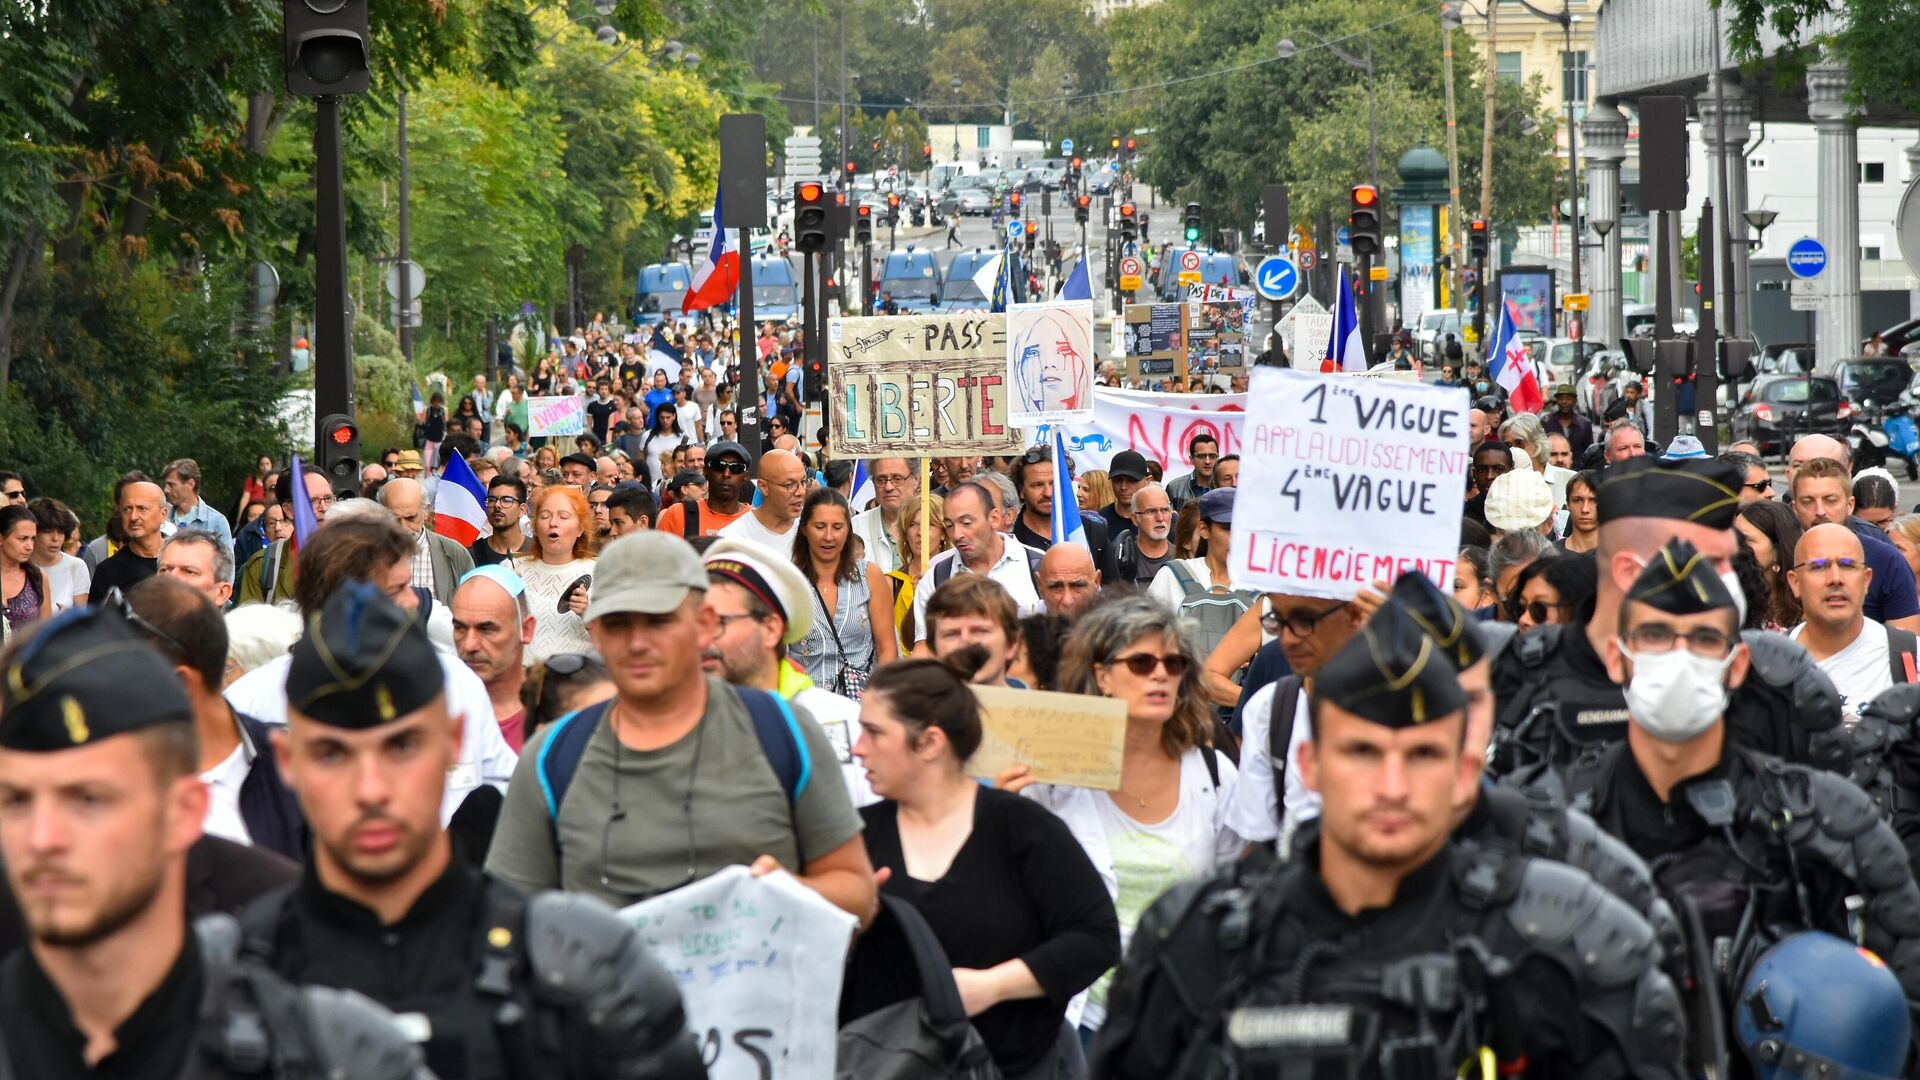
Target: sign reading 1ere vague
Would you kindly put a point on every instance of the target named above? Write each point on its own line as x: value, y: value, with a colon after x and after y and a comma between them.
x: 1348, y: 481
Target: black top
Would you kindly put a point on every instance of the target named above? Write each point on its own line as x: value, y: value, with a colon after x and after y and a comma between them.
x: 1095, y: 526
x: 600, y: 414
x: 1126, y: 564
x: 154, y: 1041
x: 124, y: 569
x: 1020, y: 887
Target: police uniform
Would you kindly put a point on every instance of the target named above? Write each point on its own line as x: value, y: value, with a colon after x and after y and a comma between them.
x: 1485, y: 958
x: 1755, y: 848
x: 1559, y: 710
x: 85, y: 678
x: 493, y: 982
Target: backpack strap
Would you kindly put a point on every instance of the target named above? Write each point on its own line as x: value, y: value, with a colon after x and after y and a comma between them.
x: 560, y: 757
x: 943, y: 570
x: 689, y: 518
x: 1286, y: 702
x: 780, y: 739
x: 1212, y: 757
x: 1901, y: 649
x: 1188, y: 583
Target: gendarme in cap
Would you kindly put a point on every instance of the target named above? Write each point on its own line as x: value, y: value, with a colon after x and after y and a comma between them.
x: 1440, y: 617
x: 775, y: 581
x: 647, y: 572
x: 363, y: 662
x: 86, y: 676
x: 1704, y: 492
x: 1680, y: 581
x: 1391, y: 673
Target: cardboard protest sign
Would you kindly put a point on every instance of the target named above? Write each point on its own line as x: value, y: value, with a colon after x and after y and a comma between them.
x: 919, y: 384
x: 1154, y: 341
x: 556, y: 416
x: 1050, y: 362
x: 1217, y: 321
x: 758, y: 962
x: 1071, y: 739
x: 1345, y: 482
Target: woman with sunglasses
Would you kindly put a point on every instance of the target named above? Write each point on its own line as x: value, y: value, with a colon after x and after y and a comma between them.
x: 1551, y: 590
x: 1166, y: 823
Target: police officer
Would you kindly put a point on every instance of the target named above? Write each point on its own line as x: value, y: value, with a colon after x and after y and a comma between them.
x: 1748, y: 847
x: 1383, y: 949
x: 1559, y: 709
x: 99, y: 805
x: 494, y: 982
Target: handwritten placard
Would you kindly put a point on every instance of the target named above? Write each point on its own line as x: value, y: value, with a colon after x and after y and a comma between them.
x: 758, y: 961
x: 919, y: 384
x: 1071, y: 739
x: 547, y: 416
x: 1346, y: 482
x: 1050, y: 362
x: 1154, y: 340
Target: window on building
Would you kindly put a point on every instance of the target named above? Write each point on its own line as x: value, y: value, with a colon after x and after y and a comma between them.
x: 1870, y: 253
x: 1573, y: 76
x: 1873, y: 172
x: 1508, y: 65
x: 982, y: 137
x: 1757, y: 164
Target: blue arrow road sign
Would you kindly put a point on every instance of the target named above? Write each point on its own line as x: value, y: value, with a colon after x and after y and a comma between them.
x: 1806, y: 258
x: 1341, y: 236
x: 1066, y: 146
x: 1276, y: 278
x: 1016, y: 228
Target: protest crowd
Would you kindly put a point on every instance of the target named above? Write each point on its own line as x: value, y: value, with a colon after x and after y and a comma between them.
x: 681, y: 745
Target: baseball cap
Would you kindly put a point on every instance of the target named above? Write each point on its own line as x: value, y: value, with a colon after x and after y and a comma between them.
x: 1518, y: 500
x: 1128, y: 465
x: 726, y: 446
x: 1217, y: 505
x: 648, y: 572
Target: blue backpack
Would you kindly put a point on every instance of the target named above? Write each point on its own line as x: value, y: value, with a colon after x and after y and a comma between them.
x: 773, y: 722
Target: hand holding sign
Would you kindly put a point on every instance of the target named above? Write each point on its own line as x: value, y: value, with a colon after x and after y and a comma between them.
x: 1071, y: 739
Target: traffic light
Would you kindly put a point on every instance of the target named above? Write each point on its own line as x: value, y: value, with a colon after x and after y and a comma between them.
x: 839, y: 217
x: 1082, y: 206
x: 1013, y: 202
x: 1131, y: 145
x: 814, y: 381
x: 863, y: 225
x: 893, y: 206
x: 1363, y: 227
x: 1126, y: 222
x: 1477, y: 239
x: 926, y: 155
x: 851, y: 169
x: 1193, y: 223
x: 810, y: 217
x: 325, y: 42
x: 1114, y: 143
x: 340, y: 452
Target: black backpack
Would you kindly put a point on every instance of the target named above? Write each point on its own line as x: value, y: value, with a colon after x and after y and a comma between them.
x: 922, y: 1036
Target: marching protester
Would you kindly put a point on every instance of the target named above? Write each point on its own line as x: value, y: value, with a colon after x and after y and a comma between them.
x: 850, y: 600
x: 1140, y: 553
x: 559, y: 575
x: 895, y: 482
x: 24, y: 594
x: 492, y: 627
x: 67, y: 576
x: 920, y: 534
x: 1067, y: 579
x: 728, y: 498
x: 979, y: 548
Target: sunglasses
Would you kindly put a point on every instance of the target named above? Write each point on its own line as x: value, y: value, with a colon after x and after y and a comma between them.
x: 1764, y: 485
x: 1538, y: 610
x: 1142, y: 664
x: 732, y: 468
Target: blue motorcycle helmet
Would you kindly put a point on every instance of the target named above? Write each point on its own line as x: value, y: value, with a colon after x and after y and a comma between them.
x: 1815, y: 1005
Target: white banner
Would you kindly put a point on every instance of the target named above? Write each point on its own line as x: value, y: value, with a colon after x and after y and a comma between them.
x: 1346, y: 482
x: 758, y: 961
x: 1050, y: 361
x: 1159, y: 426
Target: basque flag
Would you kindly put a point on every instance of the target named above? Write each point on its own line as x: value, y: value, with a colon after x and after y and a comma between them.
x: 459, y: 504
x: 304, y: 521
x: 1344, y: 352
x: 718, y: 275
x: 1510, y: 363
x: 1067, y: 527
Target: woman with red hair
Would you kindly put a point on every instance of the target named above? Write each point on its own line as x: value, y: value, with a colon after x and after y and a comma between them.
x: 559, y: 572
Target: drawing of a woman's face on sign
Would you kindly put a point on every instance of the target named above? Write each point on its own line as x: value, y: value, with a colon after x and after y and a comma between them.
x: 1051, y: 352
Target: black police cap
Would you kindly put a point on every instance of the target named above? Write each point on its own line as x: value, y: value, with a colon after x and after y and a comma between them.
x: 1392, y: 673
x: 1441, y: 618
x: 86, y: 676
x: 363, y: 662
x: 1705, y: 491
x: 1680, y: 581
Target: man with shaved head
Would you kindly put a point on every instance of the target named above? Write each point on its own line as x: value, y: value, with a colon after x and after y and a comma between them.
x: 492, y: 626
x: 438, y: 563
x: 142, y: 510
x: 1068, y: 579
x: 1830, y: 576
x: 783, y: 491
x: 1820, y: 489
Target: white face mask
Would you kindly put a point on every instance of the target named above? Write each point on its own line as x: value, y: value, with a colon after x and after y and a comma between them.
x: 1732, y: 581
x: 1674, y: 696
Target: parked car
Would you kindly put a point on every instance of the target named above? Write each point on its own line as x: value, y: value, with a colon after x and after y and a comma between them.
x: 1567, y: 357
x: 1430, y: 337
x: 1780, y: 408
x: 1601, y: 380
x: 1898, y: 336
x: 1876, y: 379
x: 1784, y: 358
x: 659, y: 291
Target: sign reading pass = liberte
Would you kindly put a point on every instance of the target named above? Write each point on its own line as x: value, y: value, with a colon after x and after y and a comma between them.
x: 912, y: 385
x: 1347, y: 481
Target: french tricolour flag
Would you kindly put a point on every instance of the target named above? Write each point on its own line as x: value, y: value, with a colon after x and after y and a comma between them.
x: 1067, y: 527
x: 1510, y: 363
x: 304, y: 519
x: 459, y: 504
x: 863, y: 492
x: 718, y: 275
x: 1344, y: 352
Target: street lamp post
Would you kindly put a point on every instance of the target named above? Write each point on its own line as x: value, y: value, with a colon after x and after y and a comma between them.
x: 1286, y: 49
x: 954, y: 85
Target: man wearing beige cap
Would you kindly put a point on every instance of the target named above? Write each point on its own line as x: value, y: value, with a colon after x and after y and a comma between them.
x: 680, y: 775
x: 1521, y: 500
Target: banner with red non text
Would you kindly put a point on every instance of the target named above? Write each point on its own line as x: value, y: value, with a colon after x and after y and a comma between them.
x: 1345, y: 482
x: 1159, y: 426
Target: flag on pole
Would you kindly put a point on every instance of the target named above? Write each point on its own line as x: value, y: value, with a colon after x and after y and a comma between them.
x: 862, y: 486
x: 1002, y: 285
x: 987, y: 278
x: 1344, y: 352
x: 304, y: 520
x: 459, y: 504
x: 718, y: 275
x: 1067, y: 528
x: 1510, y: 363
x: 419, y: 405
x: 1079, y: 283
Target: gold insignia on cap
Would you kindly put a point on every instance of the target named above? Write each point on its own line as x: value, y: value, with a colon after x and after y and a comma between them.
x: 383, y: 701
x: 76, y: 720
x: 1419, y: 707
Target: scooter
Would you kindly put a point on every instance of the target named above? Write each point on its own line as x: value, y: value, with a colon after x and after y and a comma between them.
x: 1865, y: 439
x: 1903, y: 438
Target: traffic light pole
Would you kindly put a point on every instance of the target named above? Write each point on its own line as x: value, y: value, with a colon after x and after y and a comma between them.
x: 748, y: 350
x: 332, y: 315
x: 866, y: 275
x: 1480, y: 305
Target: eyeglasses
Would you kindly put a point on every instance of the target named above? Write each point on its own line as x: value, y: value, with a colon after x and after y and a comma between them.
x: 1846, y: 564
x: 1155, y: 511
x: 1142, y: 664
x: 788, y: 486
x: 1302, y: 625
x: 732, y: 468
x: 320, y: 501
x: 728, y: 620
x: 1035, y: 455
x: 1660, y: 638
x: 1538, y: 610
x: 1764, y: 485
x: 889, y: 481
x: 502, y: 500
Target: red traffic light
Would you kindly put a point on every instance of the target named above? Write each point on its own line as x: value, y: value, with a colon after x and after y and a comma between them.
x: 926, y: 148
x: 1126, y: 210
x: 1076, y: 164
x: 1365, y: 195
x: 1478, y: 225
x: 1015, y: 197
x: 1130, y: 144
x: 893, y: 198
x: 865, y: 211
x: 1083, y: 200
x: 809, y: 192
x: 840, y: 198
x: 851, y: 169
x: 342, y: 434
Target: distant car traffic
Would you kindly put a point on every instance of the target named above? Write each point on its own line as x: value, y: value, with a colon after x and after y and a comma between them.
x: 1780, y: 408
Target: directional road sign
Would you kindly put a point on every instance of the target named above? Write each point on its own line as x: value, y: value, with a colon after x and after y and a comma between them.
x: 1340, y: 236
x: 1016, y: 228
x: 1276, y: 278
x: 1066, y: 146
x: 1806, y: 258
x: 802, y: 156
x: 1190, y: 260
x: 1129, y: 273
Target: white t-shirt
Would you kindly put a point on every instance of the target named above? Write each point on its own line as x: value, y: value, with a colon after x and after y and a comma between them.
x: 554, y: 631
x: 1253, y: 811
x: 747, y: 527
x: 1860, y: 671
x: 1165, y: 586
x: 66, y: 578
x: 223, y: 797
x: 839, y: 717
